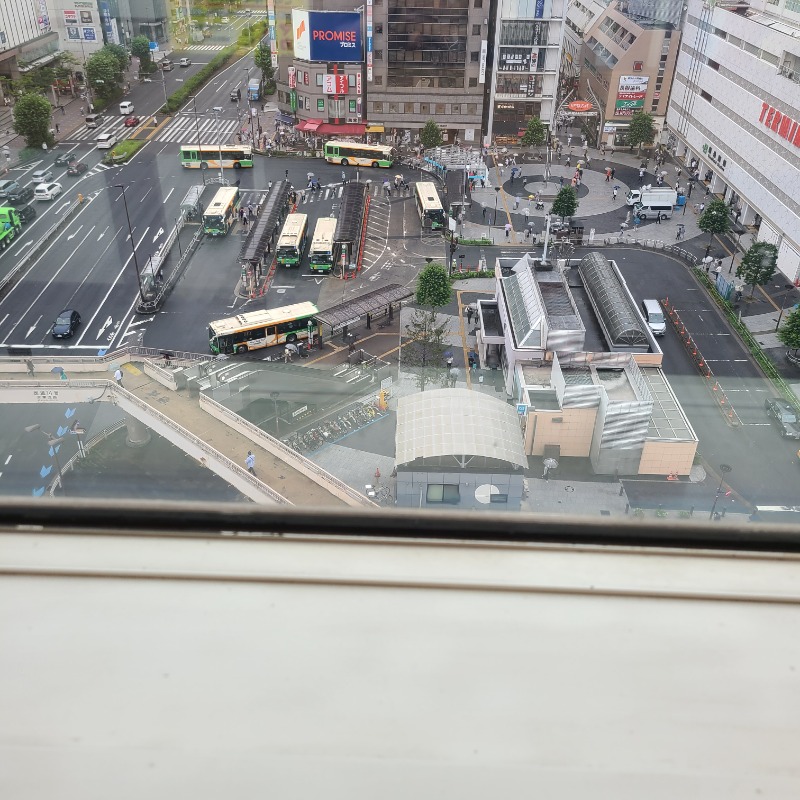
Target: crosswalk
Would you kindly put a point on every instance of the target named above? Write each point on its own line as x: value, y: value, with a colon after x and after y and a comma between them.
x: 115, y: 125
x: 333, y: 191
x: 206, y: 47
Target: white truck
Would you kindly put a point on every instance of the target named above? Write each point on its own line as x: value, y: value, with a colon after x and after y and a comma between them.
x: 652, y: 196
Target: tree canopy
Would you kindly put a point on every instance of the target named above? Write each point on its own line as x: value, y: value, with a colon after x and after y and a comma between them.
x: 789, y: 332
x: 119, y: 53
x: 758, y: 264
x: 566, y: 203
x: 262, y: 58
x: 140, y: 47
x: 102, y: 73
x: 535, y: 133
x: 714, y: 218
x: 431, y: 135
x: 426, y: 347
x: 32, y: 119
x: 642, y: 129
x: 433, y: 287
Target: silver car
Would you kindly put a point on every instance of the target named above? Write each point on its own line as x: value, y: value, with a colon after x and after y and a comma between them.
x: 41, y: 176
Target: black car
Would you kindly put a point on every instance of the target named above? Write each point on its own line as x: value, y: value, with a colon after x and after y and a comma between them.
x: 784, y: 415
x: 20, y: 196
x: 26, y: 213
x: 64, y: 159
x: 64, y: 327
x: 77, y: 168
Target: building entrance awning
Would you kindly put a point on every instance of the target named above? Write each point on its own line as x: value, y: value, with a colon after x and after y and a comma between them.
x: 309, y: 125
x: 349, y: 129
x: 375, y: 129
x: 351, y: 312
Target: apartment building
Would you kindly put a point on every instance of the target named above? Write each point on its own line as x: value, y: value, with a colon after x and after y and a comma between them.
x: 735, y: 108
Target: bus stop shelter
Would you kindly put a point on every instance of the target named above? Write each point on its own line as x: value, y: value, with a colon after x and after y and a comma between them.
x: 370, y: 306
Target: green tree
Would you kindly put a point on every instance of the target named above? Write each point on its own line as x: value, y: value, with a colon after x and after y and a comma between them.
x: 140, y: 47
x: 566, y: 203
x: 262, y: 58
x: 102, y: 74
x: 431, y: 135
x: 32, y: 119
x: 714, y: 219
x: 535, y: 133
x: 425, y: 348
x: 433, y: 287
x: 119, y: 53
x: 758, y: 265
x: 789, y: 333
x: 641, y: 130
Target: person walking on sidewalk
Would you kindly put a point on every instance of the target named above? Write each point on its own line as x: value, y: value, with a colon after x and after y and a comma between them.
x: 614, y: 195
x: 29, y: 367
x: 508, y: 229
x: 679, y: 234
x: 250, y: 462
x: 118, y: 376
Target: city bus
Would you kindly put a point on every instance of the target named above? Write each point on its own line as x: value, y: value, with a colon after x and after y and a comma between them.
x: 207, y: 156
x: 292, y: 241
x: 357, y: 154
x: 429, y: 206
x: 265, y: 328
x: 320, y: 254
x: 222, y: 211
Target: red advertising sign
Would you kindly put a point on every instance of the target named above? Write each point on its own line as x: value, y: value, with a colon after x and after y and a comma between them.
x: 292, y: 78
x: 580, y: 105
x: 630, y: 95
x: 335, y: 84
x: 786, y: 127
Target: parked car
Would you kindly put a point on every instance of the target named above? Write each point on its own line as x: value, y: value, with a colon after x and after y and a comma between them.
x: 26, y: 214
x: 784, y: 415
x: 132, y: 122
x: 66, y: 324
x: 185, y: 62
x: 20, y: 195
x: 47, y: 191
x: 77, y: 168
x: 41, y: 176
x: 7, y: 186
x: 64, y: 160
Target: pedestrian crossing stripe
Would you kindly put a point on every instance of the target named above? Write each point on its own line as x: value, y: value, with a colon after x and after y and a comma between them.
x: 206, y: 47
x: 184, y: 130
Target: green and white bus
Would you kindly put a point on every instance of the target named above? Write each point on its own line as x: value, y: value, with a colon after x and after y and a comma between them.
x: 292, y: 241
x: 222, y: 211
x: 429, y: 206
x: 207, y: 156
x: 264, y: 328
x: 357, y: 154
x: 320, y: 254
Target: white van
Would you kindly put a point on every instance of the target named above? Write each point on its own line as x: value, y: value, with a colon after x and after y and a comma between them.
x: 652, y: 212
x: 655, y: 317
x: 126, y: 107
x: 105, y: 141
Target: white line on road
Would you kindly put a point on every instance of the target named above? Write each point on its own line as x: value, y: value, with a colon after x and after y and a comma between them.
x: 5, y: 463
x: 103, y: 233
x: 22, y: 247
x: 160, y: 232
x: 104, y: 326
x: 168, y: 194
x: 70, y: 238
x: 33, y: 327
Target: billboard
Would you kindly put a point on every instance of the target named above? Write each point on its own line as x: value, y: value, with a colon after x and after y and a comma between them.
x: 630, y: 95
x: 335, y: 84
x: 517, y: 59
x: 327, y: 35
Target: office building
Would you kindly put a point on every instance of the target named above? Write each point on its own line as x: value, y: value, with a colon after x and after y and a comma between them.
x: 27, y: 38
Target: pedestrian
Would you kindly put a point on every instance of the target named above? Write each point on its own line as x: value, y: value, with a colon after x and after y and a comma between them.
x: 29, y: 367
x: 270, y: 186
x: 641, y: 176
x: 516, y: 202
x: 614, y: 196
x: 658, y: 219
x: 612, y: 152
x: 251, y: 211
x: 527, y: 233
x: 608, y: 174
x: 287, y: 174
x: 679, y: 234
x: 701, y: 208
x: 484, y: 212
x: 718, y: 267
x: 561, y: 181
x: 344, y: 177
x: 613, y: 171
x: 707, y: 261
x: 527, y: 212
x: 118, y: 376
x: 508, y: 229
x: 250, y: 462
x: 469, y: 315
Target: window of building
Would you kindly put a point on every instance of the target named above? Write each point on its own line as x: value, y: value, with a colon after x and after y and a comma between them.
x: 320, y: 78
x: 654, y: 106
x: 320, y: 104
x: 378, y: 80
x: 424, y: 108
x: 378, y: 27
x: 474, y: 56
x: 476, y: 30
x: 713, y: 64
x: 442, y: 493
x: 287, y: 18
x: 705, y: 96
x: 477, y: 4
x: 523, y: 33
x: 377, y: 108
x: 393, y: 108
x: 736, y: 42
x: 378, y: 55
x: 472, y: 108
x: 440, y: 108
x: 473, y: 82
x: 498, y: 498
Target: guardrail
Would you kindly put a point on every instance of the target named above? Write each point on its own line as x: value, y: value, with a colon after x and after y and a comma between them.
x: 18, y: 273
x: 299, y: 462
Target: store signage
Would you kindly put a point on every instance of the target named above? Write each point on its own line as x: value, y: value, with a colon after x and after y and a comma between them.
x: 539, y: 12
x: 580, y: 105
x: 273, y: 36
x: 71, y: 17
x: 369, y: 41
x: 482, y: 68
x: 292, y: 75
x: 335, y: 84
x: 786, y: 127
x: 630, y: 94
x: 358, y: 83
x: 327, y: 35
x: 516, y: 59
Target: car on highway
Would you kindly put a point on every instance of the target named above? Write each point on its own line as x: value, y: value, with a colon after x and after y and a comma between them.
x: 77, y: 168
x: 66, y: 324
x: 185, y: 62
x: 132, y: 122
x: 26, y: 214
x: 41, y: 176
x: 47, y: 191
x: 784, y: 415
x: 64, y: 160
x: 7, y: 186
x: 20, y: 195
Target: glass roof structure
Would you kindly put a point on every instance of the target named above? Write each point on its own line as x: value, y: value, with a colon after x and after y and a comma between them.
x: 667, y: 420
x: 613, y: 306
x: 458, y: 422
x: 265, y: 227
x: 525, y: 306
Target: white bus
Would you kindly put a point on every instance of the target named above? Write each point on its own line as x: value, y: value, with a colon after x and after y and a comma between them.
x: 292, y: 241
x: 355, y: 154
x: 429, y: 206
x: 320, y: 255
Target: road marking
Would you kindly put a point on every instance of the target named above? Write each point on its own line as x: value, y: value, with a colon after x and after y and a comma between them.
x: 168, y: 194
x: 69, y: 238
x: 5, y: 463
x: 23, y: 246
x: 33, y: 327
x: 103, y: 233
x: 104, y: 326
x: 61, y: 208
x: 160, y: 231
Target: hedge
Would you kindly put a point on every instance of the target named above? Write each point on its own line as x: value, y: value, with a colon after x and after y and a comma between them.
x: 122, y: 151
x: 257, y: 32
x: 191, y: 84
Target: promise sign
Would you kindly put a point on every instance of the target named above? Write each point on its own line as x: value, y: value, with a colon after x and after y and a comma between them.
x: 327, y: 35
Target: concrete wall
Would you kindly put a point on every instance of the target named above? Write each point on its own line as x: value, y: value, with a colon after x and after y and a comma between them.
x: 411, y: 491
x: 573, y: 434
x: 663, y: 457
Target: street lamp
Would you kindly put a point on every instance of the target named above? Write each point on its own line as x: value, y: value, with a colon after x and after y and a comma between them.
x: 133, y: 246
x: 451, y: 247
x: 787, y: 287
x: 274, y: 397
x: 53, y: 442
x: 217, y: 111
x: 724, y: 470
x: 496, y: 195
x: 197, y: 127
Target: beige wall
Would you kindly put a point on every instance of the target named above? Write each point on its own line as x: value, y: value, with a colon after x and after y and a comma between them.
x: 662, y: 458
x: 648, y: 359
x: 573, y: 434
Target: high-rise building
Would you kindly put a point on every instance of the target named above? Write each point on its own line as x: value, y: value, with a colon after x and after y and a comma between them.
x: 629, y: 56
x: 27, y: 38
x: 581, y: 14
x: 735, y: 109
